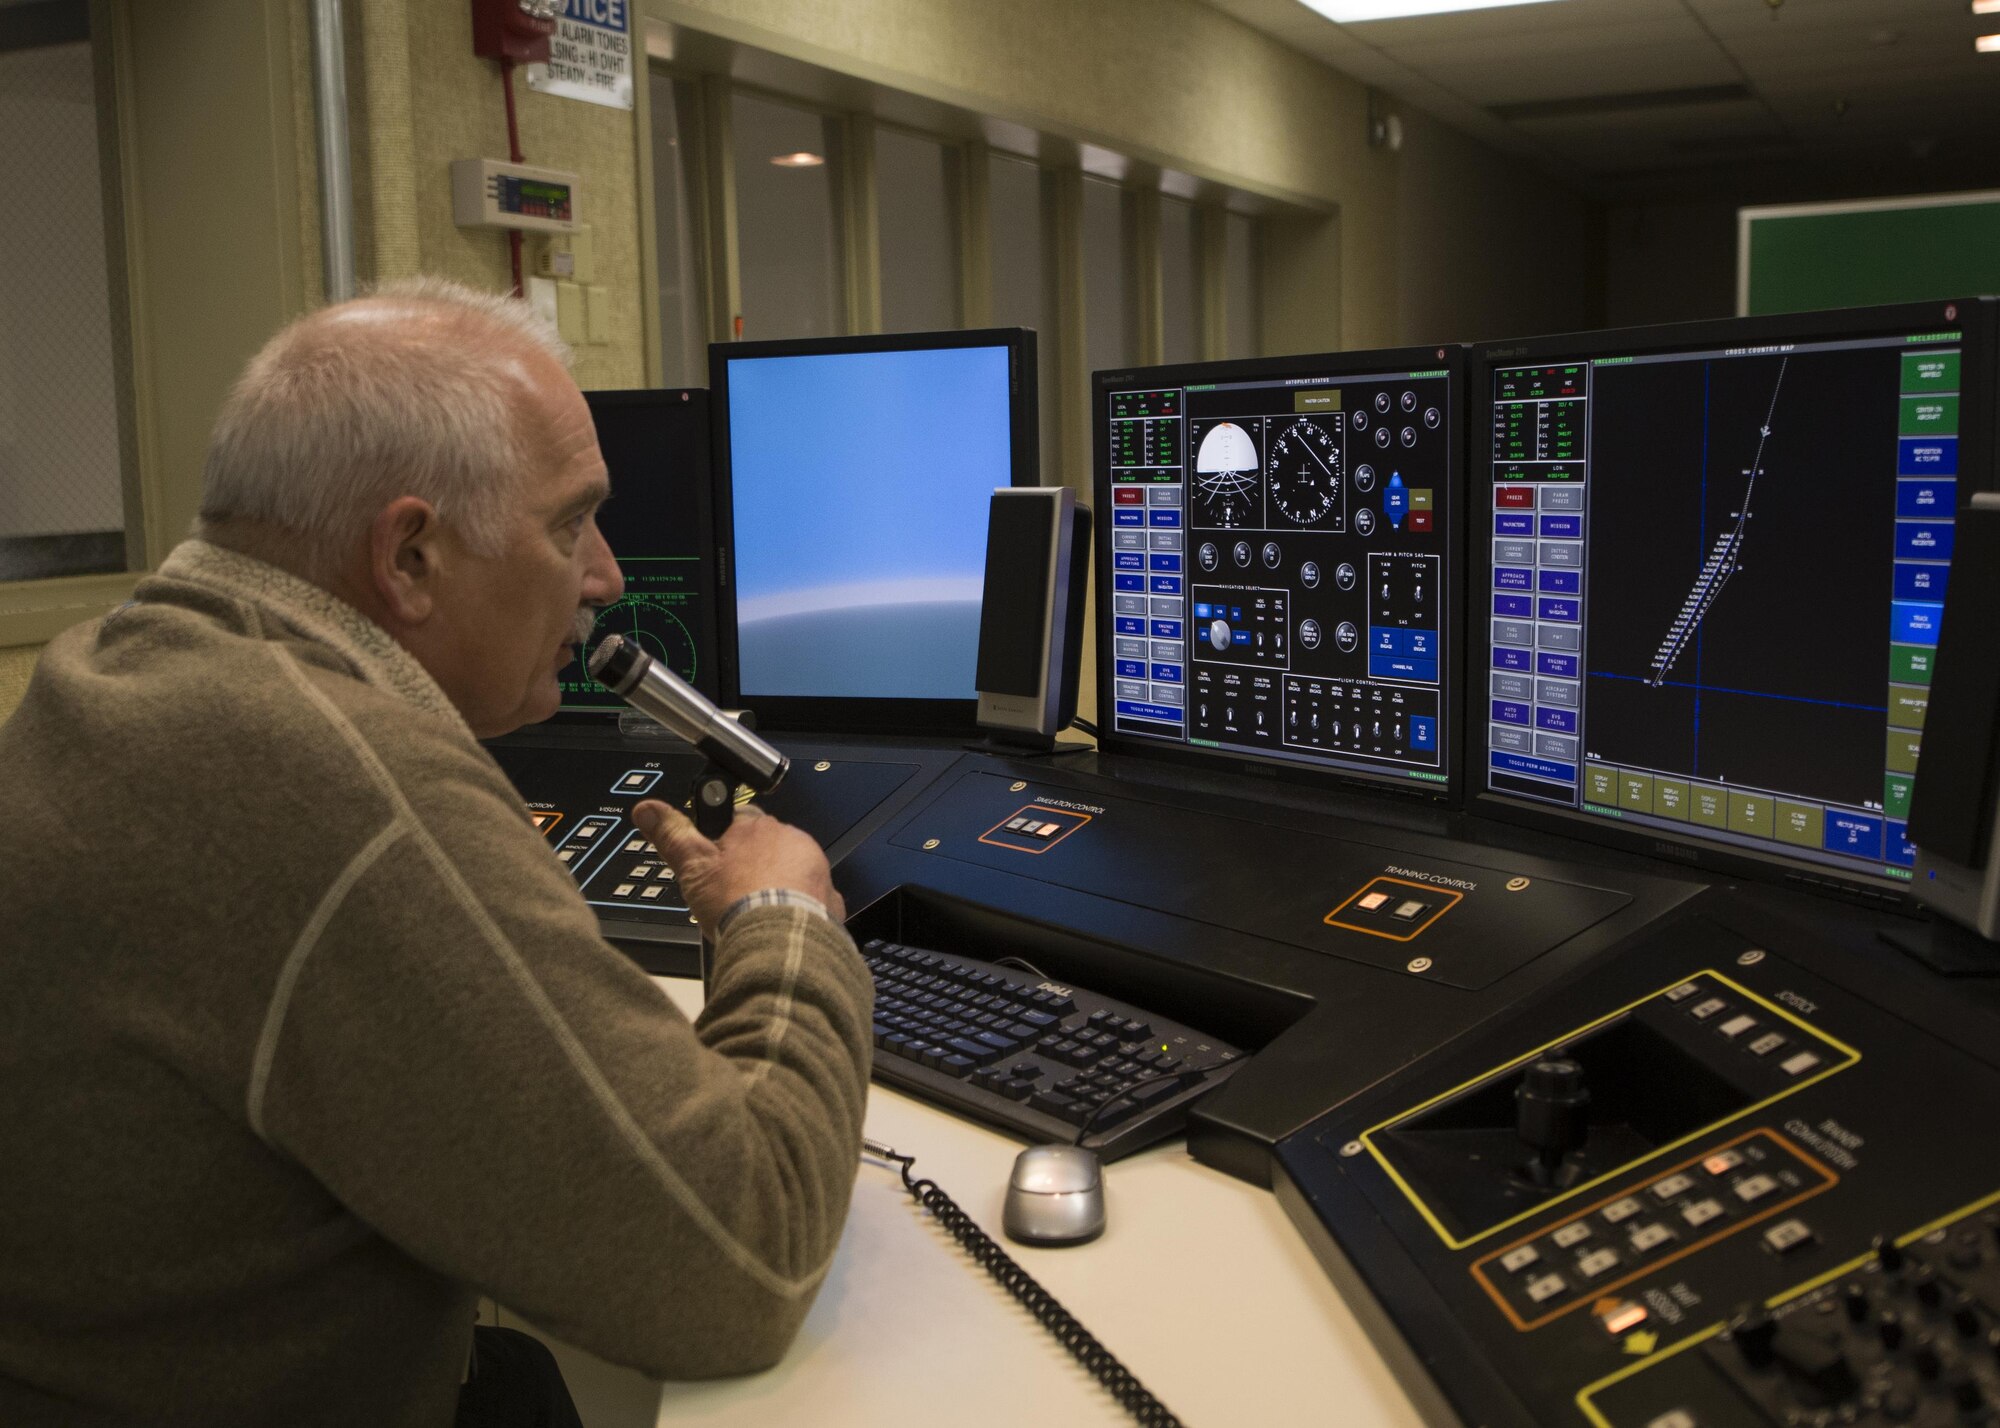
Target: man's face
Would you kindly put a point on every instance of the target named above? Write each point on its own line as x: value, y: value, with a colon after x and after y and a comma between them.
x: 518, y: 616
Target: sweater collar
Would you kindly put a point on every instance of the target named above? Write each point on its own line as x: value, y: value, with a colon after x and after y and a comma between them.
x: 315, y: 614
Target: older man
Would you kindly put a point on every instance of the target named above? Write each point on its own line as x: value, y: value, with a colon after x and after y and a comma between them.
x: 305, y: 1038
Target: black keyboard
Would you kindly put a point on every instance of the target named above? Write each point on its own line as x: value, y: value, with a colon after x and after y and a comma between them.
x: 1035, y: 1057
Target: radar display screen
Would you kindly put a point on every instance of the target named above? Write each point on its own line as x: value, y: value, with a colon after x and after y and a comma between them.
x: 1718, y: 562
x: 659, y: 527
x: 1275, y: 572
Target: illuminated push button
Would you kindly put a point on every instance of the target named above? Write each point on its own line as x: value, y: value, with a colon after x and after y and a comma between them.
x: 1722, y: 1162
x: 1623, y: 1318
x: 1519, y: 1258
x: 1546, y: 1288
x: 1569, y: 1235
x: 1408, y: 911
x: 637, y: 845
x: 1791, y: 1235
x: 1737, y: 1025
x: 1650, y: 1237
x: 1755, y: 1188
x: 1372, y: 902
x: 1682, y: 992
x: 1673, y: 1185
x: 1701, y: 1212
x: 651, y: 893
x: 1675, y: 1418
x: 567, y: 855
x: 1016, y: 825
x: 1621, y: 1210
x: 1798, y: 1065
x: 1597, y: 1263
x: 632, y: 780
x: 1767, y: 1043
x: 1702, y: 1011
x: 624, y: 890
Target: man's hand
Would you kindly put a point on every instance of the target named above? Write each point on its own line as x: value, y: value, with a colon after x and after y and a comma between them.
x: 757, y: 852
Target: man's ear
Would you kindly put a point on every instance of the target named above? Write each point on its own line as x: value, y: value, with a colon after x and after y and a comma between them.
x: 405, y: 558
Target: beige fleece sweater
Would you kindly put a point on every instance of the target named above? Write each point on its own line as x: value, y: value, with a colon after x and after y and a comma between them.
x: 306, y: 1039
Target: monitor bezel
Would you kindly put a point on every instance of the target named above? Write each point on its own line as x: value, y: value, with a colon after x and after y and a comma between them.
x: 1974, y: 318
x: 695, y: 398
x: 1452, y: 357
x: 946, y: 718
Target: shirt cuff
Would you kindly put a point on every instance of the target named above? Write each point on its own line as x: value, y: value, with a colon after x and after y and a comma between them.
x: 767, y: 897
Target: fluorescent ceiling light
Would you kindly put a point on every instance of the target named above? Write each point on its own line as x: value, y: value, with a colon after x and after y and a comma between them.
x: 1987, y: 44
x: 800, y: 160
x: 1354, y: 12
x: 1986, y: 7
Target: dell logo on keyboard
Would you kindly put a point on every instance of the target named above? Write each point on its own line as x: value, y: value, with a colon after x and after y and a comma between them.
x: 1058, y: 988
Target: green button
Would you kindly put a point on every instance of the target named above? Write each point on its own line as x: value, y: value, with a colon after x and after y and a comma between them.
x: 1930, y: 371
x: 1600, y: 784
x: 1709, y: 805
x: 1911, y: 664
x: 1903, y: 751
x: 1751, y: 813
x: 1799, y: 823
x: 1670, y: 798
x: 1929, y: 416
x: 1896, y: 794
x: 1420, y: 498
x: 1635, y: 791
x: 1907, y: 707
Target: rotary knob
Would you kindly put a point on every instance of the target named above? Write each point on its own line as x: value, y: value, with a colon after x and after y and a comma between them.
x: 1218, y: 634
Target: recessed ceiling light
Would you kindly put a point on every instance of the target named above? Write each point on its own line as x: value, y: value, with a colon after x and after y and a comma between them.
x: 800, y: 160
x: 1987, y: 44
x: 1354, y: 12
x: 1986, y: 7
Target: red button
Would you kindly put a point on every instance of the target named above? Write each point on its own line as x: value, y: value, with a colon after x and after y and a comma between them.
x: 1129, y: 496
x: 1420, y: 520
x: 1514, y: 496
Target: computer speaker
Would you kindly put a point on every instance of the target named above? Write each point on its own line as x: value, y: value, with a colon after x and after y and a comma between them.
x: 1031, y: 614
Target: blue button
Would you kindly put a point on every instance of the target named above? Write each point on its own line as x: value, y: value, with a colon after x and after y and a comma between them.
x: 1562, y: 527
x: 1559, y: 609
x: 1504, y: 658
x: 1203, y: 610
x: 1902, y: 852
x: 1235, y: 611
x: 1852, y: 833
x: 1536, y: 768
x: 1128, y: 582
x: 1239, y: 637
x: 1402, y: 667
x: 1927, y: 456
x: 1924, y: 540
x: 1395, y: 500
x: 1509, y: 577
x: 1562, y: 721
x: 1166, y: 629
x: 1164, y: 713
x: 1129, y: 560
x: 1912, y: 622
x: 1131, y: 669
x: 1423, y: 732
x: 1560, y: 666
x: 1421, y: 643
x: 1506, y: 711
x: 1163, y: 517
x: 1920, y: 582
x: 1562, y: 582
x: 1123, y: 517
x: 1166, y: 562
x: 1513, y: 607
x: 1166, y: 585
x: 1167, y: 673
x: 1513, y: 523
x: 1386, y: 640
x: 1129, y: 625
x: 1922, y: 499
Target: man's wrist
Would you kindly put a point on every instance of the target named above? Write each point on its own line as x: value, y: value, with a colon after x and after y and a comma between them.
x: 767, y: 897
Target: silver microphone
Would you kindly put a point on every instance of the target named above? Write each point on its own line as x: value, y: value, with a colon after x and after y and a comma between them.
x: 663, y: 696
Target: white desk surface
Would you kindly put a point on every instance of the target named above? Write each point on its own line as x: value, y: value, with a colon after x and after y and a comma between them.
x: 1199, y: 1285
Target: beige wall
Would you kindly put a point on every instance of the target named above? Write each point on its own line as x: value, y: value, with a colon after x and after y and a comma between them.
x: 15, y: 667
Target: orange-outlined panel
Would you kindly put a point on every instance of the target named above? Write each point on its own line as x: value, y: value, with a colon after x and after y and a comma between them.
x: 1071, y: 822
x: 545, y: 819
x: 1828, y: 1179
x: 1452, y: 897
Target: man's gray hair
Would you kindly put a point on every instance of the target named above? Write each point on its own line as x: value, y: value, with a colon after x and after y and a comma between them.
x: 413, y: 390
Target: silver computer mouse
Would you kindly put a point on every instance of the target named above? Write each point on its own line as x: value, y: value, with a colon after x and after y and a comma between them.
x: 1055, y: 1196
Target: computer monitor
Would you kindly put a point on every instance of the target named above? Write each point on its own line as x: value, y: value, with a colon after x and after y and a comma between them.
x: 853, y: 476
x: 1277, y: 569
x: 1712, y: 560
x: 660, y: 527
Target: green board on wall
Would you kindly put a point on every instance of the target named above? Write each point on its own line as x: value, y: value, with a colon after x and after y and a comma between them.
x: 1806, y: 256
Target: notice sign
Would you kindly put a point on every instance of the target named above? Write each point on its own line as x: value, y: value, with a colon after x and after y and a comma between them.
x: 590, y: 54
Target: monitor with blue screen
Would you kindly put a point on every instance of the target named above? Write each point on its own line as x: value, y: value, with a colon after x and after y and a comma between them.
x: 854, y: 476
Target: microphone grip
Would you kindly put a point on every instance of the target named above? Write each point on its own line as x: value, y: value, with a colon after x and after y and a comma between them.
x: 661, y: 695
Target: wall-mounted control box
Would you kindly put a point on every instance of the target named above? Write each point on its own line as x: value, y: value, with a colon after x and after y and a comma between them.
x: 488, y: 193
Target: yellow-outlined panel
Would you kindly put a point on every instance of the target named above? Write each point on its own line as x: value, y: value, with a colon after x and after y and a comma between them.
x: 1454, y: 1242
x: 1001, y: 827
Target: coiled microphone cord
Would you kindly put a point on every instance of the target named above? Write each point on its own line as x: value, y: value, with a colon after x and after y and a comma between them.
x: 1103, y: 1365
